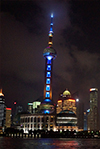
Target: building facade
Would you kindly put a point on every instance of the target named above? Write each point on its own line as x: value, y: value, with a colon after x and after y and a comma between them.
x: 66, y: 120
x: 80, y: 115
x: 93, y: 114
x: 66, y: 102
x: 37, y: 122
x: 2, y: 109
x: 8, y: 118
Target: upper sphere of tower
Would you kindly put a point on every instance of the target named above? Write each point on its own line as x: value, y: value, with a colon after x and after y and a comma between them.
x: 49, y: 51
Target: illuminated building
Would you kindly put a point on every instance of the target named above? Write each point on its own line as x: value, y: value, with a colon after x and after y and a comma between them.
x: 66, y: 120
x: 30, y: 107
x: 2, y: 109
x: 8, y: 117
x: 85, y: 119
x: 93, y: 114
x: 49, y: 54
x: 59, y: 106
x: 33, y: 107
x: 66, y: 102
x: 36, y: 105
x: 69, y: 104
x: 37, y: 122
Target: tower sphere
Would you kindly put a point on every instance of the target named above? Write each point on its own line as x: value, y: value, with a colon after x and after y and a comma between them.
x: 49, y: 51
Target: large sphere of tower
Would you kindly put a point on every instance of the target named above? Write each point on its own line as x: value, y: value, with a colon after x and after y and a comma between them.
x: 49, y: 51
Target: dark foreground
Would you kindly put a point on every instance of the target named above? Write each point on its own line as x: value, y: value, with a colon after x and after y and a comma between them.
x: 48, y: 143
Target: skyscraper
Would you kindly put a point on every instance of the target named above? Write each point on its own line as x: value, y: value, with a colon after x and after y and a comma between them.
x: 8, y: 117
x: 49, y: 54
x: 2, y: 109
x: 93, y: 114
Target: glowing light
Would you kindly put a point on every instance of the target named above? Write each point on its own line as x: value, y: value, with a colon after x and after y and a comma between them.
x: 47, y: 94
x: 47, y: 111
x: 1, y: 94
x: 49, y: 57
x: 30, y: 103
x: 77, y: 100
x: 48, y: 67
x: 51, y: 15
x: 48, y: 81
x: 72, y: 100
x: 88, y: 110
x: 47, y: 87
x: 47, y: 100
x: 51, y: 24
x: 93, y: 89
x: 49, y: 42
x: 8, y: 108
x: 59, y: 100
x: 50, y: 35
x: 48, y: 74
x: 14, y: 103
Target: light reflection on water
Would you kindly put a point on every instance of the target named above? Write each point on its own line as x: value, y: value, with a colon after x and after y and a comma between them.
x: 48, y: 143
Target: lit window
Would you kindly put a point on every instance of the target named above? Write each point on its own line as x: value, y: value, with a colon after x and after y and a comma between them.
x: 48, y: 81
x: 47, y: 94
x: 47, y: 87
x: 48, y: 61
x: 48, y: 74
x: 48, y: 67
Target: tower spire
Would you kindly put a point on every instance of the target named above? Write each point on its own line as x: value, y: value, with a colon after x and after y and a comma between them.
x: 50, y: 43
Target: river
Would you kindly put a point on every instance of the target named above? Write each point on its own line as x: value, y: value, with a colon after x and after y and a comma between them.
x: 48, y: 143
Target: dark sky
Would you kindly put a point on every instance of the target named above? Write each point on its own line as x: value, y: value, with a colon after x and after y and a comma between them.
x: 24, y: 35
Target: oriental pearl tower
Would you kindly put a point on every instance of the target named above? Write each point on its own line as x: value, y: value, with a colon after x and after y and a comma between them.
x: 49, y: 54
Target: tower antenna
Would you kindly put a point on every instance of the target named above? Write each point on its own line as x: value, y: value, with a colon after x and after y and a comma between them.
x: 50, y: 43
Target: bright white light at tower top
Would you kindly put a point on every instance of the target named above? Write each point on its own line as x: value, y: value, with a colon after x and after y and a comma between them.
x: 49, y: 57
x: 51, y: 15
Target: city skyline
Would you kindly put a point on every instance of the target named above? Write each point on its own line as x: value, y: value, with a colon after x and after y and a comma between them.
x: 25, y: 27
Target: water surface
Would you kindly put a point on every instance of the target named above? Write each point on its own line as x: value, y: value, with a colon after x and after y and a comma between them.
x: 48, y: 143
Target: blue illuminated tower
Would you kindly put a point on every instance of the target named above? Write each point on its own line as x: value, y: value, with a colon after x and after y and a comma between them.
x: 49, y: 54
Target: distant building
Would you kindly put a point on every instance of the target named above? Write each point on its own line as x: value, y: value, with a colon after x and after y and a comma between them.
x: 19, y: 109
x: 33, y: 107
x: 80, y: 114
x: 8, y: 117
x: 30, y: 107
x: 93, y: 114
x: 2, y: 109
x: 85, y: 119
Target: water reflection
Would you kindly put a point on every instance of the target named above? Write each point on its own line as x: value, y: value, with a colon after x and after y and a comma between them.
x: 48, y: 143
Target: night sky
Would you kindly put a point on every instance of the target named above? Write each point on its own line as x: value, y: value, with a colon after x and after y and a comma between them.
x: 24, y: 35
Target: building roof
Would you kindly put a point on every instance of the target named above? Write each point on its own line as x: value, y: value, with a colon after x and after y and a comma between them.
x: 66, y: 93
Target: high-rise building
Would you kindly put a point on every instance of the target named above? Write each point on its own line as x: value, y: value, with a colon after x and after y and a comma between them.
x: 93, y: 114
x: 80, y: 114
x: 30, y: 107
x: 2, y: 109
x: 49, y: 54
x: 85, y: 119
x: 66, y: 102
x: 8, y: 117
